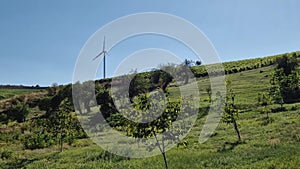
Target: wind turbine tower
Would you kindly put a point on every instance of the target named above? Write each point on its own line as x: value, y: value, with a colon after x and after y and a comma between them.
x: 104, y: 52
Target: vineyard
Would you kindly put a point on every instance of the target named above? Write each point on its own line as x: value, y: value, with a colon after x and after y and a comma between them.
x: 242, y: 65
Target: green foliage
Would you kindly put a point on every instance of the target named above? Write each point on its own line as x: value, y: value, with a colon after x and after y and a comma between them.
x: 45, y: 104
x: 162, y: 124
x: 58, y: 125
x: 6, y: 93
x: 39, y: 140
x: 161, y: 79
x: 235, y: 66
x: 263, y: 99
x: 138, y: 85
x: 231, y: 113
x: 287, y: 63
x: 267, y: 119
x: 18, y: 112
x: 6, y: 154
x: 285, y: 84
x: 261, y: 148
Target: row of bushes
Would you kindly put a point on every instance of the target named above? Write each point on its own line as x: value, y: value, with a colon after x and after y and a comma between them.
x: 239, y: 66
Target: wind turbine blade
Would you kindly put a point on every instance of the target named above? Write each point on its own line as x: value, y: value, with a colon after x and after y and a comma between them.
x: 98, y: 55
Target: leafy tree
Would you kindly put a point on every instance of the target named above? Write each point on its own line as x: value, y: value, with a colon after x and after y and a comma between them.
x: 188, y: 62
x: 208, y: 91
x: 285, y: 83
x: 58, y: 125
x: 148, y: 125
x: 160, y: 125
x: 67, y: 124
x: 264, y: 99
x: 287, y: 63
x: 139, y: 84
x: 162, y: 79
x: 231, y: 112
x: 86, y: 95
x: 198, y: 63
x: 76, y: 91
x: 185, y: 69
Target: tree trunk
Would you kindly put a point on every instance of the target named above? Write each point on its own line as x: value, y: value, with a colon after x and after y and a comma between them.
x: 162, y: 150
x: 236, y: 130
x: 165, y: 159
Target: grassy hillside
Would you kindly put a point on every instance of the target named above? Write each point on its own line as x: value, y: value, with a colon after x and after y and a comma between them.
x: 272, y: 144
x: 11, y: 92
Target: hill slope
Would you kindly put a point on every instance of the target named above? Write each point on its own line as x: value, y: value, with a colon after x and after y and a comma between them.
x: 266, y: 144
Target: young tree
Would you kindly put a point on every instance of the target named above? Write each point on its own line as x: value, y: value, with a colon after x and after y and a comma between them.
x: 264, y: 99
x: 149, y: 122
x: 59, y: 124
x: 231, y: 112
x: 208, y: 91
x: 161, y: 125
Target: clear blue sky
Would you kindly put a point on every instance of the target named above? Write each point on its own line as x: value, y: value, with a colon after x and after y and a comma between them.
x: 40, y: 40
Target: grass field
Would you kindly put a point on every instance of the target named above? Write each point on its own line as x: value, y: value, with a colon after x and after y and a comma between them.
x: 272, y: 145
x: 8, y: 93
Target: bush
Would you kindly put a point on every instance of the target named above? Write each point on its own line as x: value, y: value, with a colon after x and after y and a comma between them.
x: 293, y: 108
x: 36, y: 141
x: 278, y: 109
x: 6, y: 154
x: 18, y: 112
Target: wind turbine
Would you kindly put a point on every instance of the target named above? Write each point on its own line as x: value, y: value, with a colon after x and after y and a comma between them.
x: 104, y: 52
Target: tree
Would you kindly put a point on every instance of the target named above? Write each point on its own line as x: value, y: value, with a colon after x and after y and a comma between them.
x: 186, y: 70
x: 139, y: 84
x: 166, y: 79
x: 198, y: 63
x: 188, y: 63
x: 161, y: 125
x: 285, y: 83
x: 148, y: 125
x: 287, y: 63
x: 67, y: 123
x: 58, y: 125
x: 208, y: 91
x: 231, y: 112
x: 264, y: 99
x: 86, y: 94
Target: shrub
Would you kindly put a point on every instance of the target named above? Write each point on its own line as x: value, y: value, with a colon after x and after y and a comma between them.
x: 18, y: 112
x: 6, y: 154
x: 278, y: 109
x: 293, y: 108
x: 36, y: 141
